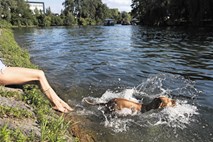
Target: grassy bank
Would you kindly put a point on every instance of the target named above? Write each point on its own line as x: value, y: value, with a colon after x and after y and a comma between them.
x: 29, y: 105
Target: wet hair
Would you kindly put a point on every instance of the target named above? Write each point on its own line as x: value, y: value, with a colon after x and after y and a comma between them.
x: 154, y: 104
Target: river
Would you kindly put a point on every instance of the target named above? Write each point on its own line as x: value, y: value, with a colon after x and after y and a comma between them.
x: 133, y: 62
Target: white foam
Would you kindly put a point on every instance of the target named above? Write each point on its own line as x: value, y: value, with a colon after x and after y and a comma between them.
x: 161, y: 85
x: 127, y: 94
x: 178, y: 116
x: 117, y: 124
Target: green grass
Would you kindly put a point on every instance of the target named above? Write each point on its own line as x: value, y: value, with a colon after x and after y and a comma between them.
x: 11, y: 52
x: 11, y: 94
x: 14, y: 112
x: 8, y: 135
x: 5, y: 24
x: 53, y: 127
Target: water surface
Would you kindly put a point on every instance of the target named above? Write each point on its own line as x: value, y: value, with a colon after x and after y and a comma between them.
x: 135, y: 63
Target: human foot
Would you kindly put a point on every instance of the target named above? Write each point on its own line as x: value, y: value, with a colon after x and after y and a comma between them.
x: 61, y: 109
x: 65, y: 105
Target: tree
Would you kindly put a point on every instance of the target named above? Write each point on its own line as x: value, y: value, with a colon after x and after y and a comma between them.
x: 86, y: 11
x: 102, y: 12
x: 69, y: 19
x: 5, y: 9
x: 36, y: 16
x: 69, y: 6
x: 47, y: 21
x: 56, y: 20
x: 114, y: 14
x: 16, y: 11
x: 125, y: 18
x: 173, y: 12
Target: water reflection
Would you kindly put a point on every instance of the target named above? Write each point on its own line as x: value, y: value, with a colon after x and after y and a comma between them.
x: 90, y: 61
x: 177, y: 52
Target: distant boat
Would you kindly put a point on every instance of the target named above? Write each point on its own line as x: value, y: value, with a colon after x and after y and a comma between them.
x: 109, y: 22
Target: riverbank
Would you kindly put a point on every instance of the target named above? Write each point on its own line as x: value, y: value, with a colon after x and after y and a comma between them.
x: 25, y: 113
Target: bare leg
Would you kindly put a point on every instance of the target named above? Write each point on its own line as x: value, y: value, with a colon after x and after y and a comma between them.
x: 17, y: 75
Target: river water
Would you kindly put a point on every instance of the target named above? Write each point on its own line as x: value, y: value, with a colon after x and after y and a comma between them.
x: 133, y: 62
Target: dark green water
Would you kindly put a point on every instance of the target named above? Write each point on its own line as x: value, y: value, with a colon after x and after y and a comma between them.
x: 131, y: 61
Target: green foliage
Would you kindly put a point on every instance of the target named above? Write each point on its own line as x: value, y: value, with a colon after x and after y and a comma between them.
x: 125, y: 18
x: 69, y: 19
x: 87, y: 21
x: 11, y: 52
x: 14, y: 112
x: 10, y: 94
x: 114, y: 14
x: 5, y: 24
x: 70, y: 6
x: 56, y: 21
x: 47, y: 21
x: 173, y: 12
x: 16, y: 12
x: 88, y: 12
x: 19, y: 136
x: 8, y: 135
x: 5, y: 134
x: 53, y: 127
x: 84, y: 12
x: 33, y: 96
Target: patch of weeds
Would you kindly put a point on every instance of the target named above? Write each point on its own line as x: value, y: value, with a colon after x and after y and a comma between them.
x: 5, y: 24
x: 34, y: 96
x: 11, y: 94
x: 15, y: 112
x: 53, y: 127
x: 8, y: 135
x: 10, y: 51
x: 5, y: 134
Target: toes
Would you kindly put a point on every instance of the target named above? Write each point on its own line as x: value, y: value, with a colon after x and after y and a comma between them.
x: 65, y: 105
x: 70, y: 109
x: 63, y: 110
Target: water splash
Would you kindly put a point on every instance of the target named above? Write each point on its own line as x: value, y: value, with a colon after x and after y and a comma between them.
x: 177, y: 117
x: 173, y: 86
x: 169, y: 85
x: 108, y: 95
x: 118, y: 124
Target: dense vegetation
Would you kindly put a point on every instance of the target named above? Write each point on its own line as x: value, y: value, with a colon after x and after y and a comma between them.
x: 93, y: 12
x: 173, y: 12
x: 83, y: 12
x: 52, y: 127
